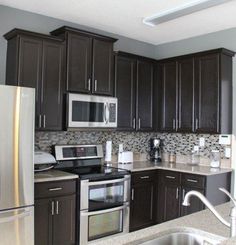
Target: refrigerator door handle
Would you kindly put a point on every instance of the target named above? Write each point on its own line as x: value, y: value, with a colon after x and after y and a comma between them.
x: 13, y: 215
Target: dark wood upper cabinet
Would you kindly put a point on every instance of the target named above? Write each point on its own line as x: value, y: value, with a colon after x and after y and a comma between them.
x: 134, y: 90
x: 185, y: 118
x: 144, y: 95
x: 168, y: 85
x: 35, y: 60
x: 79, y: 60
x: 196, y: 92
x: 103, y: 67
x: 52, y: 85
x: 90, y: 61
x: 213, y: 98
x: 125, y: 92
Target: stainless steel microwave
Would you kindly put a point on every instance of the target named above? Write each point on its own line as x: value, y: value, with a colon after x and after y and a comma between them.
x: 91, y: 111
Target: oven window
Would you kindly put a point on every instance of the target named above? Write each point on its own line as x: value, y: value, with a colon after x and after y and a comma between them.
x: 83, y: 111
x: 106, y: 224
x: 106, y: 196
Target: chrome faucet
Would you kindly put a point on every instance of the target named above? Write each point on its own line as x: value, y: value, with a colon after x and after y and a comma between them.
x: 232, y: 224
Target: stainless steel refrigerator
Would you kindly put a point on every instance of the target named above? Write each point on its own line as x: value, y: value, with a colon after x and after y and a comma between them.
x: 16, y: 165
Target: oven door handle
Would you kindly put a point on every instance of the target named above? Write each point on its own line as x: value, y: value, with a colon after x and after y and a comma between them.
x: 112, y: 181
x: 87, y: 213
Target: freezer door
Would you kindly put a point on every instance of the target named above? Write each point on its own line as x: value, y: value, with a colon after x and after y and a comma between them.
x: 16, y: 146
x: 17, y: 226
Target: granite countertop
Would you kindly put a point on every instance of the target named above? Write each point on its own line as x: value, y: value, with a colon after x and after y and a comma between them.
x: 53, y: 175
x: 203, y: 220
x: 180, y: 167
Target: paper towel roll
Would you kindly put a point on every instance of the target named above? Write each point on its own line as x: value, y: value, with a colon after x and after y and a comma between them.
x: 108, y: 151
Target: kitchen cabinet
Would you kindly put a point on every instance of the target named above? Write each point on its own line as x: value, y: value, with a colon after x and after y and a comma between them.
x: 173, y: 186
x: 55, y: 213
x: 90, y: 61
x: 35, y: 60
x: 143, y: 199
x: 196, y: 93
x: 134, y: 90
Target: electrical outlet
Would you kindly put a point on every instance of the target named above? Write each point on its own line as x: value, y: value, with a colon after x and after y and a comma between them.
x: 202, y: 142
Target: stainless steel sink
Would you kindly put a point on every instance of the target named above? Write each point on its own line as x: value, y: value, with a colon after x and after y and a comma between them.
x: 185, y: 238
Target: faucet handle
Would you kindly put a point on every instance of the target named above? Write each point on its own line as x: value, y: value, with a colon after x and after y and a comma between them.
x: 229, y: 195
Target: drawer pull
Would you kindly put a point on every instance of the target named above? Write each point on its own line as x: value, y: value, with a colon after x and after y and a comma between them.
x: 132, y: 194
x: 55, y: 189
x: 145, y: 177
x: 52, y: 208
x: 192, y: 180
x: 170, y: 177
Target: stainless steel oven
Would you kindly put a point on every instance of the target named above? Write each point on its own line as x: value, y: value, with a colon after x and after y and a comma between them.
x: 86, y: 111
x: 104, y: 208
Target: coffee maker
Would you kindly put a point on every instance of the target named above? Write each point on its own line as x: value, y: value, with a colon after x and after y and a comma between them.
x: 155, y: 150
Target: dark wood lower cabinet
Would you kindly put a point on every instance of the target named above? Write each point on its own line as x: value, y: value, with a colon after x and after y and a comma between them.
x: 143, y: 200
x: 55, y: 213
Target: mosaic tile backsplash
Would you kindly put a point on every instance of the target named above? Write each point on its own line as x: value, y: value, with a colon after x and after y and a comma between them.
x: 132, y: 141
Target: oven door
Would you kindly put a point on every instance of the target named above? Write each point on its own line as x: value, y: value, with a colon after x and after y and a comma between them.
x: 102, y: 223
x: 97, y: 195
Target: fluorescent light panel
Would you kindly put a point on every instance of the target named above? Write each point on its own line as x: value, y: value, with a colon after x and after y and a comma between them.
x: 182, y: 10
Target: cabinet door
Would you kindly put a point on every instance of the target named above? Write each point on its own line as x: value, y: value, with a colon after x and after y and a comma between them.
x: 195, y: 203
x: 169, y: 96
x: 43, y: 221
x: 141, y: 206
x: 207, y: 94
x: 186, y: 95
x: 64, y: 220
x: 52, y: 85
x: 79, y: 63
x: 144, y: 95
x: 103, y: 62
x: 29, y: 69
x: 168, y: 202
x: 125, y: 92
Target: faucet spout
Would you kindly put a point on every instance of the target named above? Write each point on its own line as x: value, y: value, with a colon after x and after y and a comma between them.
x: 207, y: 203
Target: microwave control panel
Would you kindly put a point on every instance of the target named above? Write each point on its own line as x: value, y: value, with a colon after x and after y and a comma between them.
x: 112, y: 112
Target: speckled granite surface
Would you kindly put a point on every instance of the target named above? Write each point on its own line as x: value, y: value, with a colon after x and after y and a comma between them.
x: 204, y: 221
x: 53, y: 175
x: 180, y: 167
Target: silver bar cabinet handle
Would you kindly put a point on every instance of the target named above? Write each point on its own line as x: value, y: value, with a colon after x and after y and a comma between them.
x: 144, y: 177
x: 139, y: 123
x: 52, y: 208
x: 173, y: 123
x: 170, y: 177
x: 134, y: 122
x: 44, y: 121
x: 89, y: 84
x: 57, y: 207
x: 183, y: 193
x: 95, y: 85
x: 197, y: 123
x: 40, y: 121
x: 177, y: 193
x: 55, y: 189
x: 132, y: 194
x: 177, y: 126
x: 192, y: 180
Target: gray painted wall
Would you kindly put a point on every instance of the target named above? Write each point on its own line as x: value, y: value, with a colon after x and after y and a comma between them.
x: 14, y: 18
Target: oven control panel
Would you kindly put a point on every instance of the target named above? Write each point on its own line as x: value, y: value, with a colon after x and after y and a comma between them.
x: 73, y: 152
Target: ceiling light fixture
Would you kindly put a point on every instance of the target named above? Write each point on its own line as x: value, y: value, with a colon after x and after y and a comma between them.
x: 182, y: 10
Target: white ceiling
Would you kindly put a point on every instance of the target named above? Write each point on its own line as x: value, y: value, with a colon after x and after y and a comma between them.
x: 124, y: 17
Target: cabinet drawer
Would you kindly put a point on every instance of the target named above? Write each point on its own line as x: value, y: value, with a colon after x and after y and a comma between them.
x: 170, y: 177
x: 55, y: 188
x: 193, y: 180
x: 143, y: 176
